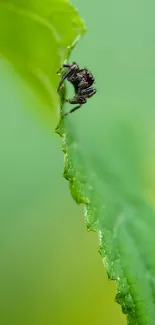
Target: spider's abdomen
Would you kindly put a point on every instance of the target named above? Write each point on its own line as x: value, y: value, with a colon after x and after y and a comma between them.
x: 82, y: 79
x: 89, y: 77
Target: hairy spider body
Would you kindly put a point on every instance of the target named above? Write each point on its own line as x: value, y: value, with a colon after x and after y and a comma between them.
x: 82, y: 80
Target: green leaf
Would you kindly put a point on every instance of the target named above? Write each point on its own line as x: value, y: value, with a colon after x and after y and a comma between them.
x: 106, y: 170
x: 36, y: 37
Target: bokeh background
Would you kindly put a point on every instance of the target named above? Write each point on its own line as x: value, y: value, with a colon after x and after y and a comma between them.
x: 50, y: 269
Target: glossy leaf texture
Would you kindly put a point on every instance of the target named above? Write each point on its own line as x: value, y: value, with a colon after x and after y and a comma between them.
x: 36, y: 37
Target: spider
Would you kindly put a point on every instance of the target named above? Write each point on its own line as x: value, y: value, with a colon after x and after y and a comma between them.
x: 82, y: 80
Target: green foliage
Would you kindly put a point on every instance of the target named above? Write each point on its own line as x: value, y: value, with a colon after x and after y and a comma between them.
x: 108, y: 179
x: 109, y: 150
x: 36, y: 36
x: 106, y: 175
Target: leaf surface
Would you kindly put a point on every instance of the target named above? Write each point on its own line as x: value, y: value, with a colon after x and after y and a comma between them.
x: 36, y: 37
x: 106, y: 170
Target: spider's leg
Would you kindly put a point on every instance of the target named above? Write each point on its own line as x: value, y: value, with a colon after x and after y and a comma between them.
x: 76, y: 100
x: 79, y: 101
x: 71, y: 70
x: 73, y: 64
x: 72, y: 110
x: 64, y: 66
x: 87, y: 93
x: 67, y: 74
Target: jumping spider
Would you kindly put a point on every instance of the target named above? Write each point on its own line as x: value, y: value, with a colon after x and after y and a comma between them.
x: 81, y: 80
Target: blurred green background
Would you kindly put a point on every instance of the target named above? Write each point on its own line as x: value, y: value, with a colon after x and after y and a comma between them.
x: 50, y: 270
